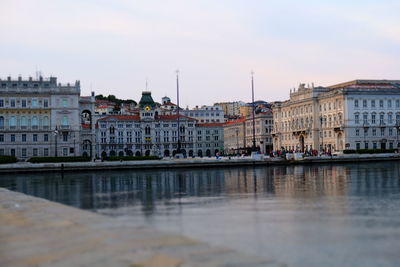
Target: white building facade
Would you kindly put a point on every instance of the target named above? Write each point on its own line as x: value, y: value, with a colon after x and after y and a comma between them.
x: 361, y: 114
x: 40, y: 118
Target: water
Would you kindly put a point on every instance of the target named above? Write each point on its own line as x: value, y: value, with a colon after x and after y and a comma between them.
x: 334, y: 215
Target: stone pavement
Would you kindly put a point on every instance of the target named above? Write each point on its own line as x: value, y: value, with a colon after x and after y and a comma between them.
x: 37, y: 232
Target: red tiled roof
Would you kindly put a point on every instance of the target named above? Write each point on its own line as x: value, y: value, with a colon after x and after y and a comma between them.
x: 137, y: 117
x: 121, y: 118
x: 212, y: 124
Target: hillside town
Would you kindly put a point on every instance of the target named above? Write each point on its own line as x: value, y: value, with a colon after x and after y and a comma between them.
x: 42, y: 117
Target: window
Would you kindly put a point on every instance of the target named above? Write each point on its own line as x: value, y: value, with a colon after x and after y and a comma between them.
x: 382, y: 131
x: 46, y: 152
x: 23, y: 103
x: 1, y: 103
x: 390, y: 131
x: 366, y: 145
x: 12, y: 103
x: 1, y: 138
x: 364, y: 103
x: 12, y: 151
x: 365, y: 118
x: 381, y: 118
x: 13, y: 122
x: 23, y: 152
x: 390, y: 118
x: 357, y: 132
x: 356, y: 118
x: 23, y: 138
x: 389, y: 103
x: 46, y: 103
x: 358, y: 146
x: 35, y: 138
x: 34, y: 103
x: 35, y: 152
x: 65, y: 121
x: 374, y: 145
x: 1, y: 122
x: 65, y: 103
x: 373, y: 118
x: 45, y: 138
x: 65, y: 151
x: 45, y: 122
x: 35, y: 123
x: 381, y: 103
x: 12, y: 138
x: 373, y: 103
x: 356, y: 103
x: 373, y: 132
x: 65, y: 137
x: 397, y: 103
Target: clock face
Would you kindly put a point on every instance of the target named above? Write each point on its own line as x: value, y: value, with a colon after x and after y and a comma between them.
x: 147, y: 108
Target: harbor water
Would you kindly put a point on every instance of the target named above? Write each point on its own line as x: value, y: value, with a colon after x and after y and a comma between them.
x: 311, y: 215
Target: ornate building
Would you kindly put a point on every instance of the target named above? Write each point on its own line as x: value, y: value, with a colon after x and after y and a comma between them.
x: 352, y: 115
x: 154, y: 131
x: 42, y: 118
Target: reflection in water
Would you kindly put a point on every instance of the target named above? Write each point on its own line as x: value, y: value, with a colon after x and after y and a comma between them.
x: 112, y: 189
x: 301, y: 215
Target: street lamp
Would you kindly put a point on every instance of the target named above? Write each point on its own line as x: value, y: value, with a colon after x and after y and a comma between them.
x: 237, y: 140
x: 322, y: 134
x: 398, y: 130
x: 365, y: 127
x: 178, y: 150
x: 253, y: 107
x: 55, y: 142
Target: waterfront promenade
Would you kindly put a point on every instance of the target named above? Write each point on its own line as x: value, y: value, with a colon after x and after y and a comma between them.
x: 190, y: 163
x: 38, y: 232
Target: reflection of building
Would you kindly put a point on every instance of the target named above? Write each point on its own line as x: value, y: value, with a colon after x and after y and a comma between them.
x: 353, y: 115
x: 41, y: 118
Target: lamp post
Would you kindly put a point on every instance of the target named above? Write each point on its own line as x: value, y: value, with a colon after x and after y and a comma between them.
x: 178, y: 150
x: 365, y: 127
x: 398, y: 130
x: 55, y: 142
x: 253, y: 107
x: 237, y: 140
x: 322, y: 134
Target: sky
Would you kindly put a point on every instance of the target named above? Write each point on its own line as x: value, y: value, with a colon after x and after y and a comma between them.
x: 115, y: 46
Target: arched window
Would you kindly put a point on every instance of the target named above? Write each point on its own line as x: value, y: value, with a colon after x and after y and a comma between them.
x: 1, y: 122
x: 24, y: 122
x: 34, y: 122
x: 147, y: 130
x: 13, y: 122
x: 46, y: 122
x: 65, y: 121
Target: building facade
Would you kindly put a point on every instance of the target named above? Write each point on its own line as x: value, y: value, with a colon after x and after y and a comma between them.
x: 235, y: 136
x: 263, y: 122
x: 361, y: 114
x: 40, y: 118
x: 154, y: 131
x: 205, y: 114
x: 209, y: 139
